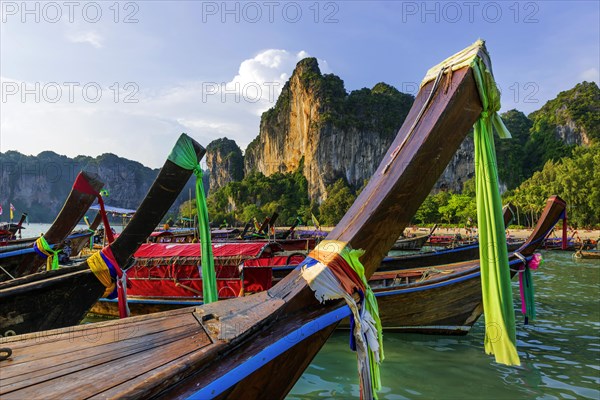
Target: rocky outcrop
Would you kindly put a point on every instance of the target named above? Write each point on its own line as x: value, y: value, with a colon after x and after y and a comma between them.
x: 573, y: 117
x: 317, y: 126
x: 40, y: 184
x: 225, y: 162
x: 460, y: 169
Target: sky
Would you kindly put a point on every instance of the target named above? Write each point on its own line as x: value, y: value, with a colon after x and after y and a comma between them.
x: 94, y: 77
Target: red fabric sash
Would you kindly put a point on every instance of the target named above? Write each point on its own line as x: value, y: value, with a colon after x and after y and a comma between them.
x: 82, y: 185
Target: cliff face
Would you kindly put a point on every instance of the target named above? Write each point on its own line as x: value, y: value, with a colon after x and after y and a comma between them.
x: 40, y: 184
x: 225, y: 162
x: 316, y: 124
x: 460, y: 169
x: 573, y: 117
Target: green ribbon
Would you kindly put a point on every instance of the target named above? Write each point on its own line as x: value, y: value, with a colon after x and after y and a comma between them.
x: 500, y: 334
x: 184, y: 155
x: 91, y: 238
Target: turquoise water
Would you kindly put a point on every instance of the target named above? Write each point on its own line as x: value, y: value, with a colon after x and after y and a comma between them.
x: 560, y: 351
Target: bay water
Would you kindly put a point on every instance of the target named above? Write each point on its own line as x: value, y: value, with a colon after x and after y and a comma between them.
x: 559, y: 351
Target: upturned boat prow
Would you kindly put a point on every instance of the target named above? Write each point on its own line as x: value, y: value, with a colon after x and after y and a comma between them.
x: 255, y: 346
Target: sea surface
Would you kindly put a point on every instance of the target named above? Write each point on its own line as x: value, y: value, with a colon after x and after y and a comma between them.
x: 560, y: 351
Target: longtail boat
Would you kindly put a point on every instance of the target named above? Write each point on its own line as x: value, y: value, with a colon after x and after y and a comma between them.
x: 587, y: 254
x: 412, y: 243
x: 256, y: 346
x: 9, y: 231
x: 572, y: 244
x: 16, y: 263
x: 165, y: 276
x: 59, y: 298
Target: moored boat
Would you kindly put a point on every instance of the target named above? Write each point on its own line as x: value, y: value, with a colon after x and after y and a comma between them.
x: 412, y: 243
x: 587, y: 254
x: 9, y: 230
x: 439, y: 298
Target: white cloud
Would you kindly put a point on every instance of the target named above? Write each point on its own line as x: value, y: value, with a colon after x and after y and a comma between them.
x: 89, y: 37
x: 143, y: 130
x: 590, y: 74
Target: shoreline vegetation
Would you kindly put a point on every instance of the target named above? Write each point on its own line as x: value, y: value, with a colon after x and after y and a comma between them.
x: 517, y: 233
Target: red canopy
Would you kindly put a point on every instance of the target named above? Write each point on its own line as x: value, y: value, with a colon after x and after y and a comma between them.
x: 220, y: 250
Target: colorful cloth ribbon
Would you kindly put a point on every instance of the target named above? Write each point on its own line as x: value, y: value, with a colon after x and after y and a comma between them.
x: 42, y: 248
x: 81, y: 184
x: 108, y: 272
x: 526, y: 288
x: 184, y: 155
x: 333, y: 271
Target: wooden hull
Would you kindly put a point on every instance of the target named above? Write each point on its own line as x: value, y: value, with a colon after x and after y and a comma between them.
x: 23, y: 312
x: 59, y: 298
x: 414, y: 243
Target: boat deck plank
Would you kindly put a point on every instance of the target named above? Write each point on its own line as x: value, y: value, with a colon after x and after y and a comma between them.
x: 110, y: 364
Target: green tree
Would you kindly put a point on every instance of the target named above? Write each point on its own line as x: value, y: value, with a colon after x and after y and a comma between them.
x: 339, y: 199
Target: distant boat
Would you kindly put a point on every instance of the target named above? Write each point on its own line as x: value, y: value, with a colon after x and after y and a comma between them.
x: 412, y: 243
x: 573, y: 244
x: 587, y: 254
x: 9, y: 230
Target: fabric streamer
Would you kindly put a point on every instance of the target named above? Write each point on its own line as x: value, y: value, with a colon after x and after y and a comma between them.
x: 184, y: 155
x: 526, y: 288
x: 333, y: 271
x: 82, y: 185
x: 108, y: 272
x: 42, y: 248
x: 500, y: 336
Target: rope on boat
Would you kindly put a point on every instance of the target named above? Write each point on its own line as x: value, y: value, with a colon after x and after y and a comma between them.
x: 6, y: 272
x: 333, y: 271
x: 5, y: 353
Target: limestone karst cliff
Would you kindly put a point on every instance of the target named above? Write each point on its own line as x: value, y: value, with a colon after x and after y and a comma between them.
x: 315, y: 122
x: 224, y: 161
x: 39, y: 184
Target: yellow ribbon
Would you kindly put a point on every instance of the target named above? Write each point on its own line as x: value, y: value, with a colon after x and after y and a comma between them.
x: 100, y: 269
